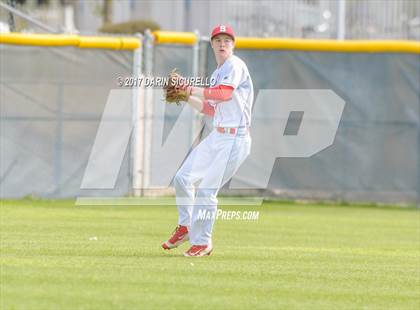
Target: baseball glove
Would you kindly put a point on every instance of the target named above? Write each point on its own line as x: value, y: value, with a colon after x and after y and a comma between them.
x: 176, y: 90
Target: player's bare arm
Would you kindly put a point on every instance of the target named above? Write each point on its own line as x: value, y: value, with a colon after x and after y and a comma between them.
x: 202, y: 106
x: 196, y: 103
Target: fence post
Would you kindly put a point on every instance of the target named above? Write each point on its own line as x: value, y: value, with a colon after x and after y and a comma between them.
x: 148, y: 111
x: 341, y: 20
x: 58, y: 144
x: 194, y: 73
x: 137, y: 106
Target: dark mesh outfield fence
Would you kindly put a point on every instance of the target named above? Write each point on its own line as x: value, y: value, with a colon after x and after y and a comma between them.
x: 52, y: 100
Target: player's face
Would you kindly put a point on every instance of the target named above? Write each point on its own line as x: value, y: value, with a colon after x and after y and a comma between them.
x: 222, y: 46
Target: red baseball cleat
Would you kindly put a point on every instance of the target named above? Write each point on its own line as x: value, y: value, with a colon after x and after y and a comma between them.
x: 199, y: 250
x: 179, y: 236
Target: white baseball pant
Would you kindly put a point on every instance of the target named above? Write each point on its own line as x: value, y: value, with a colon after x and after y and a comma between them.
x: 212, y: 163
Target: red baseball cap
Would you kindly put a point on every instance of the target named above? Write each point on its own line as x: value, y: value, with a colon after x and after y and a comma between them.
x: 223, y: 29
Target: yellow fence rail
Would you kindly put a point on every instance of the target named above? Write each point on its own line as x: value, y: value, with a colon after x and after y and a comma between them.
x: 172, y: 37
x: 118, y: 43
x: 189, y: 38
x: 356, y: 46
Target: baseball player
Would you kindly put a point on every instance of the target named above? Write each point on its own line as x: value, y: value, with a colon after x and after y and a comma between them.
x: 216, y: 159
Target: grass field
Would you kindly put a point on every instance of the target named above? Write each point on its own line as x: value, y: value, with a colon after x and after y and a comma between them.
x: 58, y: 256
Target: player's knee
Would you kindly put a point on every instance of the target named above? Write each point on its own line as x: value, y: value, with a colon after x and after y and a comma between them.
x: 207, y: 193
x: 206, y: 200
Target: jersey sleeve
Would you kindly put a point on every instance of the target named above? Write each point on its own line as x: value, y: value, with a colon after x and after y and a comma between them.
x: 231, y: 76
x: 220, y: 92
x: 208, y: 108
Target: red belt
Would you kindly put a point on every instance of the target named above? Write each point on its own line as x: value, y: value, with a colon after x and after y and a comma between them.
x: 230, y: 130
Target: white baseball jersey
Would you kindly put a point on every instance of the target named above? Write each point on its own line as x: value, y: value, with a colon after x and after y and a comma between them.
x: 235, y: 112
